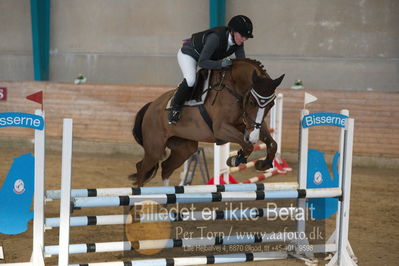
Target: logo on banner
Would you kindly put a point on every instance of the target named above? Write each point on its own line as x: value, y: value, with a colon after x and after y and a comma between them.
x: 322, y: 119
x: 318, y: 178
x: 19, y: 186
x: 21, y: 120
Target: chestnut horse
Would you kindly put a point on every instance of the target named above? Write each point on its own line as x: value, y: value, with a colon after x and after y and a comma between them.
x: 238, y: 100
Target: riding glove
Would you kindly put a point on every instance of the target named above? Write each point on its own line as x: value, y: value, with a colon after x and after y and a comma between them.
x: 226, y: 62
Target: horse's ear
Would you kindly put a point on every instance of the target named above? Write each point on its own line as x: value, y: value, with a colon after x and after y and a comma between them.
x: 254, y: 77
x: 278, y: 80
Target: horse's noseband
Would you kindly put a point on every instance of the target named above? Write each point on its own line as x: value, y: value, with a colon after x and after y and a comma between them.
x: 262, y: 102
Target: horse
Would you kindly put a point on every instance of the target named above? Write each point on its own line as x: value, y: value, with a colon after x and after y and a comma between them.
x: 238, y: 100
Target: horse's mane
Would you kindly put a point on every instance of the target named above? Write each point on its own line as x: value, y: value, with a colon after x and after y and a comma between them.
x: 258, y: 65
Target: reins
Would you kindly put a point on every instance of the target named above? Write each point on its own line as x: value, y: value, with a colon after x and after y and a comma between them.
x: 219, y: 87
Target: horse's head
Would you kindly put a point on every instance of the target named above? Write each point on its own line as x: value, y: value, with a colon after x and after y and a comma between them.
x: 257, y: 103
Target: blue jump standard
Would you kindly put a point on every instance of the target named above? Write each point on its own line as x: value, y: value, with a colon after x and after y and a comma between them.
x: 197, y: 197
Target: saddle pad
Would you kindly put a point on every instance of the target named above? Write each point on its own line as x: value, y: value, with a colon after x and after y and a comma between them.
x: 194, y: 102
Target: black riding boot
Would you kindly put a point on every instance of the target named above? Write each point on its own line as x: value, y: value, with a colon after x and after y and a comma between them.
x: 181, y: 94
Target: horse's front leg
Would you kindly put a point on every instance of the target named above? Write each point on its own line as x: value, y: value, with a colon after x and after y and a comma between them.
x: 230, y: 133
x: 271, y: 149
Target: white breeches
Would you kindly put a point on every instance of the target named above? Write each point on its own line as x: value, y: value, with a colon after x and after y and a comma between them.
x: 188, y: 67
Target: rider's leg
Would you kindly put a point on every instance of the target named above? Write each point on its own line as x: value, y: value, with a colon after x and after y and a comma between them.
x: 180, y: 96
x: 188, y: 66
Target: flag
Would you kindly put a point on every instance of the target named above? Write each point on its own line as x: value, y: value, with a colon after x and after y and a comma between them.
x: 309, y: 98
x: 36, y: 97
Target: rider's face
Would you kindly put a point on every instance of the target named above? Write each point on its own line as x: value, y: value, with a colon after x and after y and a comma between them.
x: 238, y: 38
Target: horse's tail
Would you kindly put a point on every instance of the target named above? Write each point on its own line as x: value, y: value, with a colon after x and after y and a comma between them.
x: 137, y: 133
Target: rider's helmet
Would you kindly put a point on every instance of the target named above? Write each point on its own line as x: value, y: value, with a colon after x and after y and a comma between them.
x: 241, y: 24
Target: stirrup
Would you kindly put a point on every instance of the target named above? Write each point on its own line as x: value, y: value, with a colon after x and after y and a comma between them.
x: 173, y: 116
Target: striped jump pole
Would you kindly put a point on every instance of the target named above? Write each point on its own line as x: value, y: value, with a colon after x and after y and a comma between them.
x: 244, y: 166
x: 261, y: 146
x: 245, y: 214
x: 103, y: 192
x: 173, y: 243
x: 173, y: 216
x: 206, y: 197
x: 260, y: 177
x: 52, y: 250
x: 214, y: 241
x: 278, y: 163
x: 197, y: 260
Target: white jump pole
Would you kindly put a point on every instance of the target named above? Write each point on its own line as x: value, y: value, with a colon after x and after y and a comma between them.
x: 221, y: 154
x: 302, y: 177
x: 276, y: 121
x: 66, y: 179
x: 344, y: 254
x: 38, y: 205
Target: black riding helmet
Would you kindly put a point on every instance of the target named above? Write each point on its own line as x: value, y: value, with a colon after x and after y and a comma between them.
x: 241, y: 24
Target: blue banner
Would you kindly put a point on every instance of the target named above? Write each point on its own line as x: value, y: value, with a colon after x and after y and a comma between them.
x: 16, y: 195
x: 321, y: 119
x: 21, y: 120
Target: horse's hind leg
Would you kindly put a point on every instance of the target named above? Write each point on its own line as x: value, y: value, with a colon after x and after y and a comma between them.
x: 134, y: 176
x: 148, y: 166
x: 181, y: 150
x: 146, y: 169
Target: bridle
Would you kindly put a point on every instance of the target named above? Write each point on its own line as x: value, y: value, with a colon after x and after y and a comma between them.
x: 262, y: 102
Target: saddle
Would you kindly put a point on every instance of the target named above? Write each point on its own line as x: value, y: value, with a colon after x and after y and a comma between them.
x: 198, y: 96
x: 199, y: 91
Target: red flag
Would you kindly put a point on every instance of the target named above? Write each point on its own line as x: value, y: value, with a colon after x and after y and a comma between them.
x: 36, y: 97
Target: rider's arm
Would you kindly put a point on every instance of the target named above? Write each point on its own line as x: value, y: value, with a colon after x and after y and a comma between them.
x: 210, y: 46
x: 240, y: 52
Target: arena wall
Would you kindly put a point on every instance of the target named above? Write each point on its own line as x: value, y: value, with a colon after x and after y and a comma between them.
x: 334, y: 45
x: 105, y: 113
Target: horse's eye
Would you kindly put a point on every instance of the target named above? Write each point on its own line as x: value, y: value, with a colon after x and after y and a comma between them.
x: 252, y: 102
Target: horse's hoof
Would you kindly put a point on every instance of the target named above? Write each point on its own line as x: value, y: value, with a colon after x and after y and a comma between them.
x: 263, y: 165
x: 133, y: 178
x: 236, y: 160
x: 231, y: 161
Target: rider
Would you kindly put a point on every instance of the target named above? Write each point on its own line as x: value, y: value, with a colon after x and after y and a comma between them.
x: 208, y: 49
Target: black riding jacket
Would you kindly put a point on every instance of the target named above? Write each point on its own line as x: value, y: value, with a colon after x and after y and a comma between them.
x: 209, y: 47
